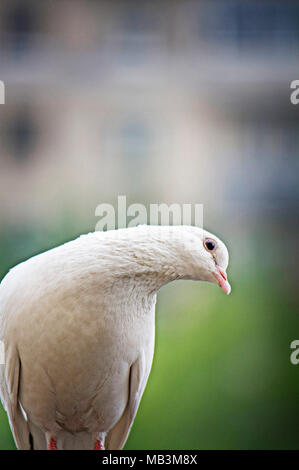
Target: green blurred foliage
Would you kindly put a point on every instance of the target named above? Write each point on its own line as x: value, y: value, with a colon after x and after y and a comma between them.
x: 222, y: 377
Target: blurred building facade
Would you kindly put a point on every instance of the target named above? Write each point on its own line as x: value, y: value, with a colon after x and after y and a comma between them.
x: 187, y: 101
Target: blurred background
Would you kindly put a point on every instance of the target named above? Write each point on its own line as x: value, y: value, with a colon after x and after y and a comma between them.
x: 175, y: 102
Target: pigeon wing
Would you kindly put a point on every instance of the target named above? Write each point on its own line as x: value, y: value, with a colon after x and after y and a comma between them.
x: 9, y: 390
x: 117, y: 436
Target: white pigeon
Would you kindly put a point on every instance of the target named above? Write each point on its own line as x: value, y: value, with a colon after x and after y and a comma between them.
x: 78, y: 326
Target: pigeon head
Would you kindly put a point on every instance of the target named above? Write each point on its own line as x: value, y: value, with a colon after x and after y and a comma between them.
x: 212, y: 258
x: 206, y: 258
x: 216, y: 260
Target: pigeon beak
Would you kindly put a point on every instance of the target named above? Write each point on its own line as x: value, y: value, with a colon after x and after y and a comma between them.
x: 221, y: 277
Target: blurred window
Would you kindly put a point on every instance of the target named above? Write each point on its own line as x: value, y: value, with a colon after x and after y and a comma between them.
x: 135, y: 20
x: 138, y: 31
x: 248, y: 23
x: 20, y: 24
x: 21, y: 134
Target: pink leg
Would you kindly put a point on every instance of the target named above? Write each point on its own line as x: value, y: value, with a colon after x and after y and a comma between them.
x: 98, y: 445
x: 52, y: 444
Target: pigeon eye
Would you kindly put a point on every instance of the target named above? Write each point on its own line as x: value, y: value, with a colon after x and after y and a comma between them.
x: 210, y: 245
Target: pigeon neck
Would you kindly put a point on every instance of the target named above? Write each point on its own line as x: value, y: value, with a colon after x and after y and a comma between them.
x: 155, y: 256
